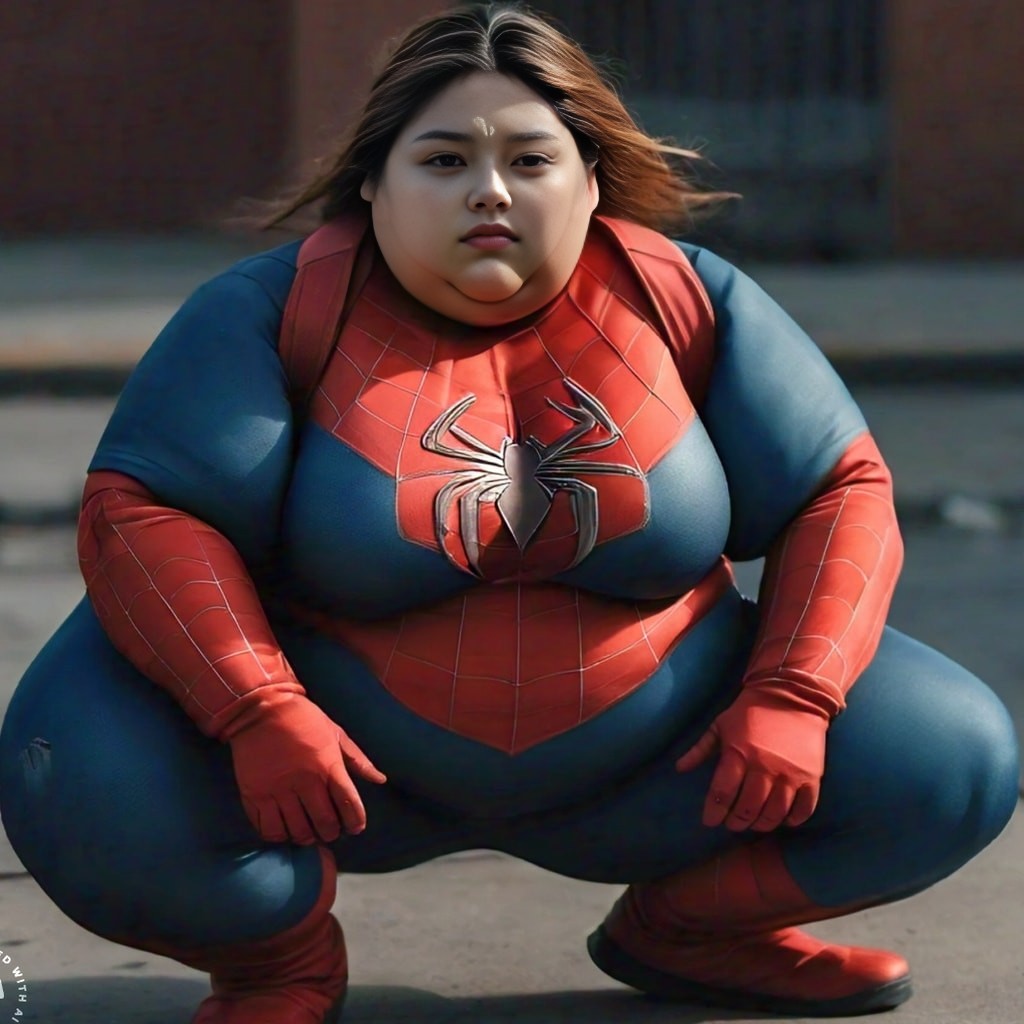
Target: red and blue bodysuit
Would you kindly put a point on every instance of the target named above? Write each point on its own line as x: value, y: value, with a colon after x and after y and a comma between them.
x: 500, y: 559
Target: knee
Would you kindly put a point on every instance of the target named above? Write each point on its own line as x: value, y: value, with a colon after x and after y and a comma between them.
x: 962, y: 767
x: 929, y: 747
x: 985, y: 766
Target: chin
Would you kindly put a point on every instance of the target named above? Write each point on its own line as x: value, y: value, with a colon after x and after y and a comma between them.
x: 501, y: 290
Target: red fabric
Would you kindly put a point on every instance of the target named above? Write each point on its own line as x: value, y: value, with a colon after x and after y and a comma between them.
x: 398, y: 367
x: 294, y: 769
x: 828, y: 583
x: 502, y: 664
x: 327, y: 263
x: 826, y: 591
x: 677, y: 303
x: 295, y: 977
x: 726, y: 924
x: 177, y: 601
x: 771, y: 764
x: 655, y: 280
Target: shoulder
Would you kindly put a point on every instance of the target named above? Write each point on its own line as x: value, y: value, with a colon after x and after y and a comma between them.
x: 268, y: 275
x: 715, y: 273
x: 649, y: 246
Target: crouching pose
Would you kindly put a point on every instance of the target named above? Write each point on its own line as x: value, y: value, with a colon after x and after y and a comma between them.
x: 417, y: 537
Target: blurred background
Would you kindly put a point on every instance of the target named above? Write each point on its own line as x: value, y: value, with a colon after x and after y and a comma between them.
x: 879, y: 149
x: 855, y: 128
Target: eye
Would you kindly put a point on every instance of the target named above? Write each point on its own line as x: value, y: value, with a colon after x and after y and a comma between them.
x: 533, y: 160
x: 445, y: 160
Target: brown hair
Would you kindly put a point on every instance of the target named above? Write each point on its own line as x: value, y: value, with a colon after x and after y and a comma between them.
x: 634, y: 175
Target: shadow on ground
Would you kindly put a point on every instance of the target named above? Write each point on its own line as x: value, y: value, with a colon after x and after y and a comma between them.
x: 172, y: 1001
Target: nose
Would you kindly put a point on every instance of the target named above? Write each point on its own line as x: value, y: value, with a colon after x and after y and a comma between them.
x: 489, y: 191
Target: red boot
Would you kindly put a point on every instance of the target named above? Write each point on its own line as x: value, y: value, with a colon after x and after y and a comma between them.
x: 720, y: 934
x: 298, y: 976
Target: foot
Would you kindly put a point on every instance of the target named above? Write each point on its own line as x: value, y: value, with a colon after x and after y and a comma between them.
x: 784, y: 971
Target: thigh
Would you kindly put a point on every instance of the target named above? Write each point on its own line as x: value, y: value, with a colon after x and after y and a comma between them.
x: 649, y: 825
x: 126, y: 815
x: 921, y: 773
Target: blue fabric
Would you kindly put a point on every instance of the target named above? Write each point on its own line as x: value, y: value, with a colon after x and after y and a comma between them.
x: 426, y: 759
x: 130, y: 819
x: 921, y: 774
x: 132, y: 824
x: 341, y: 542
x: 778, y: 414
x: 204, y: 422
x: 126, y: 815
x: 684, y: 535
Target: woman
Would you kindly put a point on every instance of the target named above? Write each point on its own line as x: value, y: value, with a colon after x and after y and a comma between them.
x: 463, y: 580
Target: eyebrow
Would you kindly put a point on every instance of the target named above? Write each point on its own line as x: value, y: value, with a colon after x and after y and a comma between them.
x: 440, y: 135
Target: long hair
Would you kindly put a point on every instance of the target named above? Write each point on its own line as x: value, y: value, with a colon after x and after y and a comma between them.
x: 636, y: 179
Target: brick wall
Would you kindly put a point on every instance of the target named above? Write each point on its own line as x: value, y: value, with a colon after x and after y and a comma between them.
x: 137, y: 114
x: 956, y: 91
x: 149, y: 115
x: 333, y: 53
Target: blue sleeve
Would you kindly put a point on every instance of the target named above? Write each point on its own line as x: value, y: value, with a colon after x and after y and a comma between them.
x: 777, y: 413
x: 204, y: 421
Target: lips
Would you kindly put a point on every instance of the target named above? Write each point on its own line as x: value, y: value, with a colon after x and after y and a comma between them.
x: 490, y: 231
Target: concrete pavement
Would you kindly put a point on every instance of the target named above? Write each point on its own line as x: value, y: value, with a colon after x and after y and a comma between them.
x: 480, y: 936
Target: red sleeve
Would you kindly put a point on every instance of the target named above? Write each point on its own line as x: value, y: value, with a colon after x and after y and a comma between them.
x: 827, y: 585
x: 177, y: 601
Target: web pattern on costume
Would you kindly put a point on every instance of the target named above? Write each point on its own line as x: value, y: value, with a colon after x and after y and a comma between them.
x: 176, y: 599
x: 390, y: 380
x: 828, y: 583
x: 512, y: 665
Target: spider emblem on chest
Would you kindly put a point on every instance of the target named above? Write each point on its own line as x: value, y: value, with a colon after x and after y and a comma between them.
x: 522, y: 477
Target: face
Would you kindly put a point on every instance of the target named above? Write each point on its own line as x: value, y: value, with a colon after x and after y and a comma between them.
x: 484, y: 203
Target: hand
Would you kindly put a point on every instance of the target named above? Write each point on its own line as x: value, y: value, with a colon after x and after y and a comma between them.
x: 772, y: 757
x: 293, y: 765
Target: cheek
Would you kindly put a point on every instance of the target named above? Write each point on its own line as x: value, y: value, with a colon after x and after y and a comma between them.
x: 564, y: 214
x: 409, y: 227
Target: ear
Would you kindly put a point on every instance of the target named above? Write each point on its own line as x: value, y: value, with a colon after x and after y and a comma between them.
x: 593, y: 191
x: 368, y: 189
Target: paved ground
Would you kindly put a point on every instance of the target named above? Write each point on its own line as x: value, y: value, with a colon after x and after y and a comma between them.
x: 481, y: 936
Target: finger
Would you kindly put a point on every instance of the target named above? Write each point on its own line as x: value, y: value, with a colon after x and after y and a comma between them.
x: 776, y: 807
x: 320, y: 811
x: 804, y: 802
x: 699, y: 752
x: 356, y: 761
x: 267, y: 820
x: 300, y: 830
x: 749, y: 802
x: 725, y: 786
x: 347, y: 802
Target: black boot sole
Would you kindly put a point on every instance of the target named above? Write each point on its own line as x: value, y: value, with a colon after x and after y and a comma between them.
x: 619, y: 965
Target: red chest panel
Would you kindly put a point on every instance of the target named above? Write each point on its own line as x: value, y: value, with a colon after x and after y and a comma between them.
x: 515, y: 450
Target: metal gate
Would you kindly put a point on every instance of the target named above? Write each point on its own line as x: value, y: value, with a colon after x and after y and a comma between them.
x: 785, y: 97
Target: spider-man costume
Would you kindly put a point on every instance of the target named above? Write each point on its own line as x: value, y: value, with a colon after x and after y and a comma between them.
x: 499, y: 559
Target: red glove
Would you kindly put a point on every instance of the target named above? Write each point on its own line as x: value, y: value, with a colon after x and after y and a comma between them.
x: 771, y: 763
x: 292, y: 764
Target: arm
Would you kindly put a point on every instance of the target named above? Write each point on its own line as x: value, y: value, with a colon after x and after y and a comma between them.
x: 810, y: 493
x: 205, y: 423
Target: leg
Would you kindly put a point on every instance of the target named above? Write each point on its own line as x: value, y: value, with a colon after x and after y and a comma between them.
x: 129, y: 819
x: 921, y: 775
x: 922, y: 766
